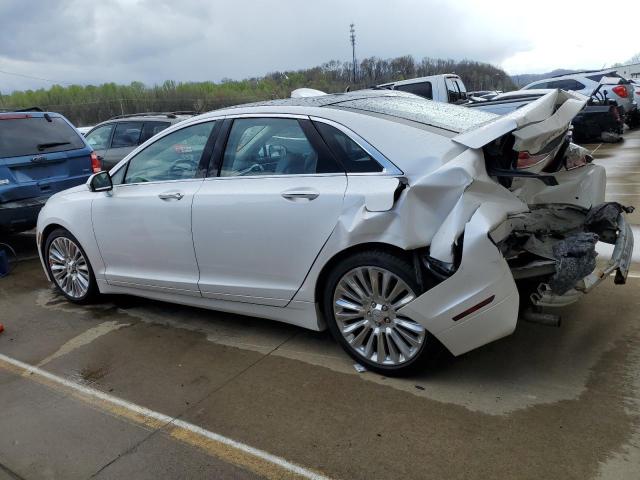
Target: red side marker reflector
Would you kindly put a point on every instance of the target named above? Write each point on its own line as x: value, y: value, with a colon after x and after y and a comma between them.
x: 475, y: 308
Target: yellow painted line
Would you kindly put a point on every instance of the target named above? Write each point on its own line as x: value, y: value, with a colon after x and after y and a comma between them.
x: 231, y: 451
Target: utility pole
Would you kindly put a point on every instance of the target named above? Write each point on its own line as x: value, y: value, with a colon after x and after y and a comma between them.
x: 352, y: 32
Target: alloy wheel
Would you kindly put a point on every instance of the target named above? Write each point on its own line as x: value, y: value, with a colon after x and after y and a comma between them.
x: 69, y: 267
x: 366, y: 302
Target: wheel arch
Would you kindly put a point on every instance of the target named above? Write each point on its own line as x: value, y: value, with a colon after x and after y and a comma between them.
x: 347, y: 252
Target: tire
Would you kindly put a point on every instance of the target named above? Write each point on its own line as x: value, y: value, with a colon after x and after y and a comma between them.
x: 368, y: 326
x: 74, y: 277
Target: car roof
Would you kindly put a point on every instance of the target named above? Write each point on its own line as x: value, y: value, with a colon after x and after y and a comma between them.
x: 390, y: 103
x: 170, y: 118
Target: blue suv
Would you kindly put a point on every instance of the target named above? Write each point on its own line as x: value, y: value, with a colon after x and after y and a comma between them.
x: 41, y: 153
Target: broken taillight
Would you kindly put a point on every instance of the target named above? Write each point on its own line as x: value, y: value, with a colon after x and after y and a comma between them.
x: 526, y: 160
x: 621, y: 91
x: 95, y: 163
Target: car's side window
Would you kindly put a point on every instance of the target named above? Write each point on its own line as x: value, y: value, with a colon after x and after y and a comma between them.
x: 99, y: 138
x: 126, y: 134
x: 354, y: 158
x: 173, y: 157
x: 272, y: 146
x: 150, y: 129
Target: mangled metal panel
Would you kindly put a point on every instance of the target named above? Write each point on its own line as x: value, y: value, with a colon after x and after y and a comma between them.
x: 533, y: 125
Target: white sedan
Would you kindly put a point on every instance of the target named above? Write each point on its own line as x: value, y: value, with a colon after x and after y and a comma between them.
x: 401, y: 224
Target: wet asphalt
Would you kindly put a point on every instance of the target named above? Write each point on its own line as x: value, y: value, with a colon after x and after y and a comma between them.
x: 542, y: 403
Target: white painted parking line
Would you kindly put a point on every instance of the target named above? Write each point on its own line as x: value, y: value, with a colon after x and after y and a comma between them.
x: 229, y: 450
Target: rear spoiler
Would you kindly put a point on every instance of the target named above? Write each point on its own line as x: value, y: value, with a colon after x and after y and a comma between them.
x: 533, y: 125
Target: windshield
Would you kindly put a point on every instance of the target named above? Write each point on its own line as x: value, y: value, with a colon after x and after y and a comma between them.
x: 26, y: 135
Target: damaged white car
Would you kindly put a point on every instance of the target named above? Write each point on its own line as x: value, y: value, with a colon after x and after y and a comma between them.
x: 399, y: 223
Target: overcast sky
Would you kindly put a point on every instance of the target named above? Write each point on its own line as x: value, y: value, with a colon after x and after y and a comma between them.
x: 75, y: 41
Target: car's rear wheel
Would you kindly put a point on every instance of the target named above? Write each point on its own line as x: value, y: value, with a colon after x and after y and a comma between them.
x: 362, y: 303
x: 69, y: 267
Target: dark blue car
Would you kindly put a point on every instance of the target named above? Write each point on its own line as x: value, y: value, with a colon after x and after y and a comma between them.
x: 41, y: 153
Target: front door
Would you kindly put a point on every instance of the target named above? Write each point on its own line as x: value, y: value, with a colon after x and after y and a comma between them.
x: 260, y: 224
x: 143, y: 227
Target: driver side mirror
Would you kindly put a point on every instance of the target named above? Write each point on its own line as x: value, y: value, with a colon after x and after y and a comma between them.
x: 100, y: 182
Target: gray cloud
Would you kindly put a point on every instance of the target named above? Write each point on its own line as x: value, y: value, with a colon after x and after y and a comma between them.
x: 154, y: 40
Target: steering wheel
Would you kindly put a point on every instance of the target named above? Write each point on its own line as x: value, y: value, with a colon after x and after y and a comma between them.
x: 180, y: 166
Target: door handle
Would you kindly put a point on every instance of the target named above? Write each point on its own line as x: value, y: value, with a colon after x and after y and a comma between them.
x: 171, y: 196
x: 300, y: 195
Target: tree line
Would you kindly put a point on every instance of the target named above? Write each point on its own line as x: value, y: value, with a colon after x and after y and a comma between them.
x: 90, y: 104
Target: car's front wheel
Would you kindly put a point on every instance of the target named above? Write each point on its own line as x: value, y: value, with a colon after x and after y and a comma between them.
x: 69, y: 267
x: 362, y: 303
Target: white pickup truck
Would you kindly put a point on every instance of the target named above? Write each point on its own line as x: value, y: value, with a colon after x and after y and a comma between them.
x: 447, y: 88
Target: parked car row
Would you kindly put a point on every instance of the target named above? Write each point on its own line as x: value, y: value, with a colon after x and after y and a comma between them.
x: 42, y: 153
x: 114, y: 139
x: 611, y: 100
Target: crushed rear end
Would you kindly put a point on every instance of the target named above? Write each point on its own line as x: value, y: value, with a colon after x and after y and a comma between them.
x: 523, y: 230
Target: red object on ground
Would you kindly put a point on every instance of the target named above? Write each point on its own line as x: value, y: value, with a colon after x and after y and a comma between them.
x: 1, y: 328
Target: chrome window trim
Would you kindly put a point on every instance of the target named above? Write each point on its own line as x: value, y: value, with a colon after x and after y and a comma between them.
x: 292, y: 175
x: 267, y: 115
x: 388, y: 167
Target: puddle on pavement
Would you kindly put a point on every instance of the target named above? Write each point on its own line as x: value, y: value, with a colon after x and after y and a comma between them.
x: 544, y: 365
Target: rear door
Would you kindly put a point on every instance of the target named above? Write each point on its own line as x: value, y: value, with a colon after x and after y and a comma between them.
x: 125, y: 138
x: 40, y: 154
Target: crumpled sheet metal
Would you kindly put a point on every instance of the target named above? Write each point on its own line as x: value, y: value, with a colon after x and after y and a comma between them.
x: 534, y: 125
x: 433, y: 210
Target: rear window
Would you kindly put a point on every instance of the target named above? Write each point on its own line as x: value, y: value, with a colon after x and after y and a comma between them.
x: 566, y: 84
x: 36, y: 135
x: 598, y: 76
x: 423, y: 89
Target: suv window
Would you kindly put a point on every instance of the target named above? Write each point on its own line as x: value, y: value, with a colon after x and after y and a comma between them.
x: 149, y: 129
x: 566, y: 84
x: 127, y: 134
x: 272, y: 146
x: 353, y: 157
x: 99, y: 138
x: 424, y: 89
x: 536, y: 86
x: 22, y: 134
x: 173, y: 157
